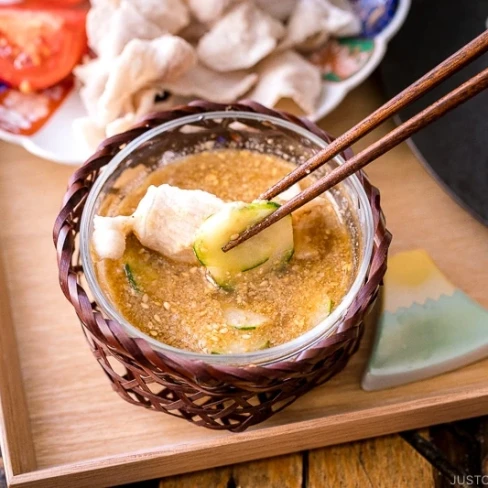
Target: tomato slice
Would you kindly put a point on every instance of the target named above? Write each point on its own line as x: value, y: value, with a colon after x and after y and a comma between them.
x: 40, y: 46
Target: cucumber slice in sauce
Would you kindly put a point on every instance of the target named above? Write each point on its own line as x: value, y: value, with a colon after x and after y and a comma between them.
x: 240, y: 347
x: 272, y: 247
x: 322, y: 311
x: 244, y: 319
x: 130, y: 277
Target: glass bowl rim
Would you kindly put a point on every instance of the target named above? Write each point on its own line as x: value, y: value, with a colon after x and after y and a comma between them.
x: 266, y: 356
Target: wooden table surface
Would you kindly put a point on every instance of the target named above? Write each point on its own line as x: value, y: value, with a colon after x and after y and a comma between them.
x: 458, y: 450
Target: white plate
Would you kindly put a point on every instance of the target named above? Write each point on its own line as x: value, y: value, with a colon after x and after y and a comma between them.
x: 354, y: 58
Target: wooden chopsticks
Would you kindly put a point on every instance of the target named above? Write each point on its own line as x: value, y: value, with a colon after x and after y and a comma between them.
x: 444, y: 70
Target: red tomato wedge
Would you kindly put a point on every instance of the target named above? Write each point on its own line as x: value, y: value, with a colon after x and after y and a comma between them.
x: 65, y: 2
x: 40, y: 46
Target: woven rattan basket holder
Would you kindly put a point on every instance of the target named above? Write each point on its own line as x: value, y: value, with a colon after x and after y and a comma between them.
x: 214, y: 396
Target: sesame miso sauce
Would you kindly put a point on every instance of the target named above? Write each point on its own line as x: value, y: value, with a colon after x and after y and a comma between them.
x: 175, y: 302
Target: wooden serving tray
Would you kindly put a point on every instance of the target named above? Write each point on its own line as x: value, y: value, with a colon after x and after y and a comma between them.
x: 64, y: 426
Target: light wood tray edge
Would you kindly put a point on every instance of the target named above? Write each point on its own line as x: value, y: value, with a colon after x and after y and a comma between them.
x: 19, y: 457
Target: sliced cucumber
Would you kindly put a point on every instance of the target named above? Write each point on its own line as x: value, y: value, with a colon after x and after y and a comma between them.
x: 243, y: 346
x: 244, y: 319
x: 139, y: 273
x: 322, y: 311
x: 130, y: 277
x: 270, y: 248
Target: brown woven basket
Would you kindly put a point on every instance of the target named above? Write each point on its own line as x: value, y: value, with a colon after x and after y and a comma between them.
x: 214, y: 396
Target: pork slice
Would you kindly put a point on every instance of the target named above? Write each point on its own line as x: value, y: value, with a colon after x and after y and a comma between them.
x: 202, y: 82
x: 141, y: 64
x: 109, y: 235
x: 93, y: 75
x: 306, y: 220
x: 110, y: 26
x: 279, y: 9
x: 287, y: 75
x: 240, y: 39
x: 165, y: 221
x: 209, y: 10
x: 167, y: 218
x: 169, y: 15
x: 312, y: 22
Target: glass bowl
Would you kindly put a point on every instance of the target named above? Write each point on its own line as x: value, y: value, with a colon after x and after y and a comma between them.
x: 191, y: 134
